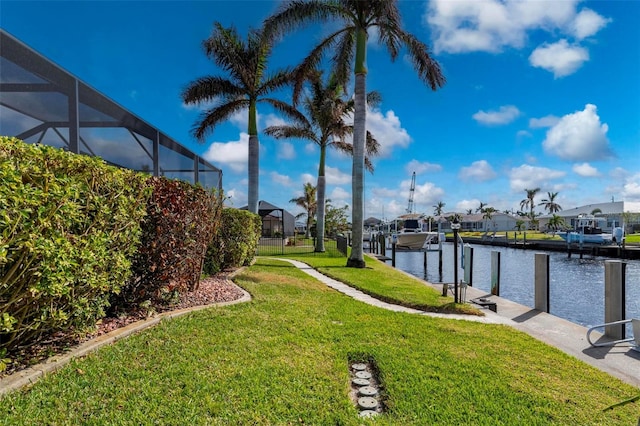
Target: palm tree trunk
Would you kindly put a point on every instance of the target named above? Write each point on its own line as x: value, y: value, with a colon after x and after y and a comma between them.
x: 357, y: 213
x: 321, y: 188
x: 254, y: 156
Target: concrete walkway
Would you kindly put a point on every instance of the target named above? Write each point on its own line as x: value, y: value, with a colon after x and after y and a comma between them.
x: 619, y: 361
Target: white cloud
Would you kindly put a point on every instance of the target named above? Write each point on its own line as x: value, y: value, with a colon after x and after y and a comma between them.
x: 280, y: 179
x: 336, y: 177
x: 560, y: 58
x: 588, y: 23
x: 530, y: 177
x: 233, y: 154
x: 235, y: 198
x: 308, y: 178
x: 579, y: 137
x: 585, y: 170
x: 285, y: 151
x: 385, y: 192
x: 273, y: 120
x: 492, y: 25
x: 310, y: 148
x: 240, y: 119
x: 464, y: 205
x: 631, y: 189
x: 478, y: 171
x: 387, y: 130
x: 619, y: 173
x: 422, y: 167
x: 547, y: 121
x: 339, y: 194
x: 523, y: 134
x: 506, y: 114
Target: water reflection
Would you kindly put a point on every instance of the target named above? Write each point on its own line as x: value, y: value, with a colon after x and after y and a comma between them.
x: 576, y: 285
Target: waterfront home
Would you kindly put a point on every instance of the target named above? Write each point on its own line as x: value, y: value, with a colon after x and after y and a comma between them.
x: 612, y: 212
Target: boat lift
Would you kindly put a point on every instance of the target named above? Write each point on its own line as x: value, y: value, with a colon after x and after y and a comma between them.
x: 635, y: 340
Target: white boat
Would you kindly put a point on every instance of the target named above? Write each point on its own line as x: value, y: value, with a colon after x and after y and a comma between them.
x: 588, y: 229
x: 415, y: 234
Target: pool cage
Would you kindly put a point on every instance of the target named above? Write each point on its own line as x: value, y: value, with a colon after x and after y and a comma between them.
x: 42, y: 103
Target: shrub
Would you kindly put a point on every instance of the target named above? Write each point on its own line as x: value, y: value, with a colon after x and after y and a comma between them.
x: 180, y: 223
x: 236, y: 241
x: 69, y: 225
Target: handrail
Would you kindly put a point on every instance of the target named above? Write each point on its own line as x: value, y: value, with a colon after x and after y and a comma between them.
x: 615, y: 342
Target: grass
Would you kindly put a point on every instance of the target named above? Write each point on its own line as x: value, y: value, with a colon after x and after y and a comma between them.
x: 283, y: 359
x: 386, y: 283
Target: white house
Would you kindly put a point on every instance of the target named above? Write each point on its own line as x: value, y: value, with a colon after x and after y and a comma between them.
x: 612, y: 211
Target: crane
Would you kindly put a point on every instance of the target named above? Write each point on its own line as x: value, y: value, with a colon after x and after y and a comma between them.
x: 411, y: 192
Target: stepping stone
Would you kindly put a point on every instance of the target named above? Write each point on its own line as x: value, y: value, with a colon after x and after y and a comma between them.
x: 368, y: 413
x: 359, y: 367
x: 362, y: 375
x: 368, y: 391
x: 367, y: 403
x: 361, y: 382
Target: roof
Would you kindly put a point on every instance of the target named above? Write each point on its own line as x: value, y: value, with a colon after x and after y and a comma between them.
x: 611, y: 208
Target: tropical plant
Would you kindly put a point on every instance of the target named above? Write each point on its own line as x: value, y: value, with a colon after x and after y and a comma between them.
x: 480, y: 208
x: 336, y: 219
x: 556, y: 222
x: 550, y: 204
x: 437, y: 209
x: 596, y: 211
x: 469, y: 211
x: 519, y: 225
x: 487, y: 214
x: 349, y: 44
x: 324, y: 124
x: 309, y: 203
x: 247, y: 84
x: 528, y: 202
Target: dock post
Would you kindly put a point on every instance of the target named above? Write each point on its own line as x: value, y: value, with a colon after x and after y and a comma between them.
x: 541, y: 282
x: 495, y: 273
x: 614, y: 298
x: 393, y: 254
x: 468, y: 265
x: 440, y: 263
x: 383, y: 245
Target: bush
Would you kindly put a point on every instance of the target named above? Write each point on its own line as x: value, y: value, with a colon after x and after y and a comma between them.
x: 181, y: 221
x: 69, y: 225
x: 236, y: 241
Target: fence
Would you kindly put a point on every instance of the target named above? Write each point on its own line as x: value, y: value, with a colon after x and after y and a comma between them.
x: 271, y: 246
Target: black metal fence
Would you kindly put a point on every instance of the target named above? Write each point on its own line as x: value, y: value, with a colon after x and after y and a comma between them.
x: 271, y: 246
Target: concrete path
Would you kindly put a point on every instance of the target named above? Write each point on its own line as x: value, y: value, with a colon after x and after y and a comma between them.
x: 619, y: 361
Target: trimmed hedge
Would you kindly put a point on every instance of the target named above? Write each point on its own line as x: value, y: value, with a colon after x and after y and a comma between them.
x: 69, y: 226
x: 181, y: 221
x: 235, y: 243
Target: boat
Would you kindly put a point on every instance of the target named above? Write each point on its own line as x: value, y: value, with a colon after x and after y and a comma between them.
x: 415, y: 233
x: 588, y: 229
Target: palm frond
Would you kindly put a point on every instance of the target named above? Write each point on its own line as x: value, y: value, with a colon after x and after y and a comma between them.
x: 210, y: 88
x: 428, y: 69
x: 210, y: 119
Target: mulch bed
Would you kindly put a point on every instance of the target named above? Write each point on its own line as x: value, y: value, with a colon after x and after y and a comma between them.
x: 214, y: 289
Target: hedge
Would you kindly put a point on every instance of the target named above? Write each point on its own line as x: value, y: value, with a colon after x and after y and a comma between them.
x: 69, y: 226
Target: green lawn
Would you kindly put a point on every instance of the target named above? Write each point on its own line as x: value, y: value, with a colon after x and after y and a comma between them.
x: 283, y: 359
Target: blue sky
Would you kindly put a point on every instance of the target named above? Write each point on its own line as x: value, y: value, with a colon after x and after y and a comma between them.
x: 539, y: 94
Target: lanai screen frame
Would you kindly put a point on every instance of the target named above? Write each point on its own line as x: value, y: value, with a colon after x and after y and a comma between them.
x: 28, y: 74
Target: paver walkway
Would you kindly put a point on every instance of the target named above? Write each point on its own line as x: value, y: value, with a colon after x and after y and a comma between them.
x: 620, y: 361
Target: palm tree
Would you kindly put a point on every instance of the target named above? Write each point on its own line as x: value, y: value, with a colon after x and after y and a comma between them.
x: 528, y: 202
x: 437, y: 209
x: 550, y: 204
x: 246, y: 85
x: 519, y: 224
x: 324, y: 124
x: 308, y: 202
x: 487, y: 214
x: 349, y: 44
x: 555, y: 222
x: 480, y: 208
x: 469, y: 211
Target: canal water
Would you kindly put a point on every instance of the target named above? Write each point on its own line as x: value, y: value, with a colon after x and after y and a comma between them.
x: 576, y: 285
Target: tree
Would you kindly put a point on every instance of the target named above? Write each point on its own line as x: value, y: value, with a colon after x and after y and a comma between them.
x: 480, y: 208
x: 336, y: 219
x: 528, y: 202
x: 519, y: 225
x: 324, y: 124
x: 437, y: 209
x: 349, y: 41
x: 308, y: 202
x: 550, y: 204
x: 487, y: 214
x: 556, y: 222
x: 596, y: 211
x: 469, y: 211
x: 246, y: 85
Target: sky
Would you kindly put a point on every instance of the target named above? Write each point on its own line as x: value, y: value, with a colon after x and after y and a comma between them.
x: 539, y: 94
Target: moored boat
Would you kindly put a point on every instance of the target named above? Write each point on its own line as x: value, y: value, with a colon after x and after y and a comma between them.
x: 588, y: 229
x: 415, y: 234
